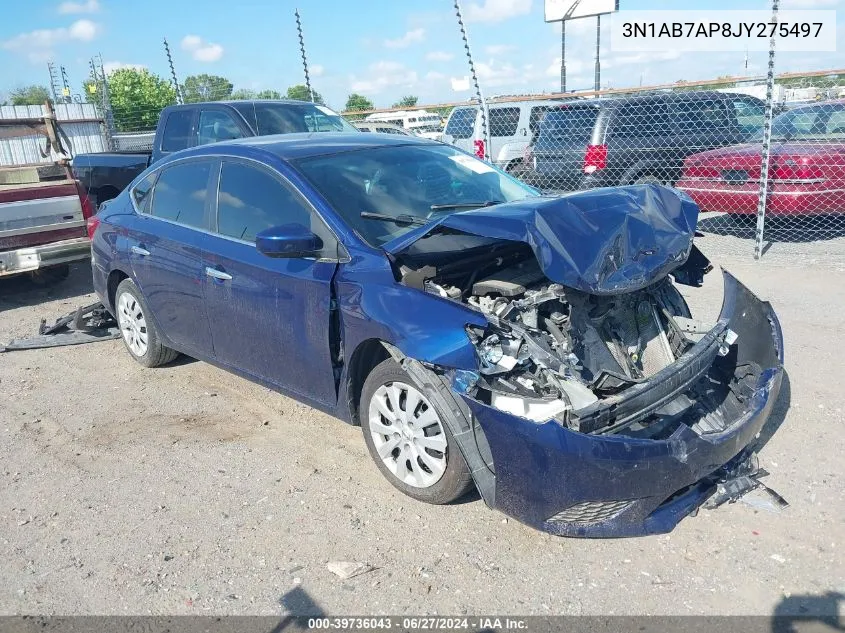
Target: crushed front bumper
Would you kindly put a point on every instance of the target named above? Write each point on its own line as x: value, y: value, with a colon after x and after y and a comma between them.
x: 32, y: 258
x: 592, y: 485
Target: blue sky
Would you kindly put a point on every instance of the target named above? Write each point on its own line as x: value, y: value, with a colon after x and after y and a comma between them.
x: 381, y: 48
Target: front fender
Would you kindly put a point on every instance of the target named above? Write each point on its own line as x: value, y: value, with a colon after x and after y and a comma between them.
x: 422, y: 326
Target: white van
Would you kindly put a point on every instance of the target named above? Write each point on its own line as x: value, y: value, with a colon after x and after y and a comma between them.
x: 419, y: 122
x: 512, y: 125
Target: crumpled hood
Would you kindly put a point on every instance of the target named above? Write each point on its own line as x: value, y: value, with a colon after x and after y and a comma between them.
x: 602, y: 241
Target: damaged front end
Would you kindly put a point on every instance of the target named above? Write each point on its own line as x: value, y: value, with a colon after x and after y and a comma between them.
x: 606, y: 408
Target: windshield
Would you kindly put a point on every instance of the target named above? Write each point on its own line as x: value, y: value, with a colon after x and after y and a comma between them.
x: 418, y: 182
x: 821, y: 122
x: 288, y: 118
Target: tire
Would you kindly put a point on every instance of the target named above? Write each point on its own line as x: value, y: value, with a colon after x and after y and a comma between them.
x: 423, y: 480
x: 137, y: 329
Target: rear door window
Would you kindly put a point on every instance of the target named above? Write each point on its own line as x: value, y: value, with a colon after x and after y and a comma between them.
x: 572, y: 123
x: 180, y: 193
x: 462, y: 123
x: 642, y: 119
x: 177, y: 131
x: 698, y: 116
x: 504, y: 121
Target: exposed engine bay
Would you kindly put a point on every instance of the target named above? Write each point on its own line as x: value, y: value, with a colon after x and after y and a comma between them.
x: 551, y: 351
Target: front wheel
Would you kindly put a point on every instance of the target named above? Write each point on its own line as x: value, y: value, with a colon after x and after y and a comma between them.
x: 137, y: 329
x: 408, y: 438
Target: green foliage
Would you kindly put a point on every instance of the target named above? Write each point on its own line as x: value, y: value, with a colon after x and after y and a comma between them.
x: 270, y: 94
x: 300, y: 93
x: 204, y: 87
x: 137, y: 98
x: 408, y: 101
x: 29, y: 95
x: 358, y: 102
x: 243, y: 94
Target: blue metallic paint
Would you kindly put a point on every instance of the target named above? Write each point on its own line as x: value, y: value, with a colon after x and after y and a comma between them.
x: 540, y: 468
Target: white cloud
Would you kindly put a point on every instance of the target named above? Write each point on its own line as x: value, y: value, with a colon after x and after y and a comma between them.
x: 383, y: 75
x: 434, y: 76
x: 499, y: 49
x: 201, y: 50
x: 439, y: 56
x: 414, y: 36
x: 90, y: 6
x: 110, y: 67
x: 496, y: 10
x: 460, y: 84
x: 38, y: 45
x: 642, y: 59
x: 809, y: 4
x: 83, y: 30
x: 316, y: 70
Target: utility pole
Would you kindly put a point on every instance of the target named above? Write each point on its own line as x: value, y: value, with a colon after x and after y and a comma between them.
x: 598, y: 53
x: 563, y: 55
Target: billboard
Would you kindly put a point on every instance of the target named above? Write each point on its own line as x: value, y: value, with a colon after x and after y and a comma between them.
x: 557, y: 10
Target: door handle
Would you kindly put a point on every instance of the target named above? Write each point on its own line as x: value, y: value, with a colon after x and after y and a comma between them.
x: 138, y: 250
x: 217, y: 274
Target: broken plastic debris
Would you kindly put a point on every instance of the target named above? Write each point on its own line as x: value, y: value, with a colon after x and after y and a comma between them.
x: 346, y: 570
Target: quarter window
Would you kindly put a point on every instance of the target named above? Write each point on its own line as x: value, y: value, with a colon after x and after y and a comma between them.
x: 142, y: 193
x: 180, y: 193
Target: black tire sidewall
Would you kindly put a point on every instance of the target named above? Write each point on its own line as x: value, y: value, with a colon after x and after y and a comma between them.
x: 454, y: 482
x: 153, y: 344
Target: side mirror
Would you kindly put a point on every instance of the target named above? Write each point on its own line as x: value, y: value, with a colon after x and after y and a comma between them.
x: 288, y: 241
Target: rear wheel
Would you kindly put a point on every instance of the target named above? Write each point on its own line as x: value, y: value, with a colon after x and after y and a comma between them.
x: 137, y: 329
x: 408, y: 438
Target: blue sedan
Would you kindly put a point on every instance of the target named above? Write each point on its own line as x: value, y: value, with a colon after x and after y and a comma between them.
x: 482, y: 335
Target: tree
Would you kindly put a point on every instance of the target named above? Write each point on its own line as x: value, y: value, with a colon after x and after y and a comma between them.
x: 243, y: 94
x: 358, y: 102
x: 29, y: 95
x: 206, y: 88
x: 408, y: 101
x: 274, y: 94
x: 137, y: 98
x: 300, y: 92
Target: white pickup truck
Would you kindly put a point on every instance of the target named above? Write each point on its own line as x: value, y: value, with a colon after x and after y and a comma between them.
x: 43, y: 211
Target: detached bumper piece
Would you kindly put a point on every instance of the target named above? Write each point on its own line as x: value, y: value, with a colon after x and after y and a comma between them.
x: 87, y: 324
x: 34, y: 257
x: 656, y: 452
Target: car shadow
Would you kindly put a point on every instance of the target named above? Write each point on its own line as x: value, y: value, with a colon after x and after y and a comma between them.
x: 22, y: 290
x: 817, y: 613
x: 777, y: 416
x: 797, y: 230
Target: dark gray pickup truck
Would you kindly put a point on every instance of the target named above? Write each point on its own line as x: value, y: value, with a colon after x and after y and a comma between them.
x: 106, y: 174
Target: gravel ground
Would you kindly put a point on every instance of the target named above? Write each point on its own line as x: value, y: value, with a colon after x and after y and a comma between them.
x: 186, y: 490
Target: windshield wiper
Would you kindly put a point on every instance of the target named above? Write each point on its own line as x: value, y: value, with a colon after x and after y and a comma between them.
x: 466, y: 205
x: 401, y: 219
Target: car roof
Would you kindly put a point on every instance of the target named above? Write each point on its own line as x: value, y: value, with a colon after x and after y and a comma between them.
x: 235, y: 102
x: 686, y: 95
x: 305, y: 145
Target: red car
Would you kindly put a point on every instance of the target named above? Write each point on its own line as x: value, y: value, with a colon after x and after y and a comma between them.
x: 806, y: 172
